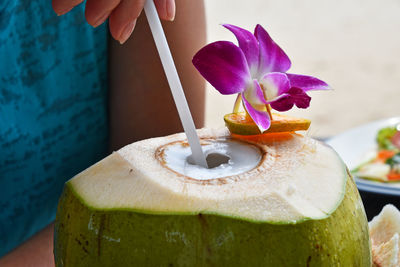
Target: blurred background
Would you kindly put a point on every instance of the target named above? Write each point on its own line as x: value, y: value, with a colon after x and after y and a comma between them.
x: 353, y: 45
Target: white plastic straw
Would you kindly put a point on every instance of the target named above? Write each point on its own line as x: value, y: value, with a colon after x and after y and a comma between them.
x: 174, y: 83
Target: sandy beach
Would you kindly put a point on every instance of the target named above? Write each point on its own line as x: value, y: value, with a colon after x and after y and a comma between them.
x: 353, y: 45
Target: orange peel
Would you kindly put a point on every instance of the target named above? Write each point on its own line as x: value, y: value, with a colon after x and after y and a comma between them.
x: 241, y: 124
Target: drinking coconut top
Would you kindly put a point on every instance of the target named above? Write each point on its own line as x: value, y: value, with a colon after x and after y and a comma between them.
x: 256, y: 70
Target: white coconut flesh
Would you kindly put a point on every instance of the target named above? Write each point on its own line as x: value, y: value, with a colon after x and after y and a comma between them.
x: 224, y: 158
x: 289, y: 181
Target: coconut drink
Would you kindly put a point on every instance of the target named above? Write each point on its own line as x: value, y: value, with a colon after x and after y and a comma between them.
x: 268, y: 197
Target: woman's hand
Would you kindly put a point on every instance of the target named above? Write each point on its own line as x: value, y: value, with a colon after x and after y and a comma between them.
x: 122, y: 14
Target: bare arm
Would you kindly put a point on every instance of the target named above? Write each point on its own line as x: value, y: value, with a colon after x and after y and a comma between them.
x: 37, y: 251
x: 141, y: 105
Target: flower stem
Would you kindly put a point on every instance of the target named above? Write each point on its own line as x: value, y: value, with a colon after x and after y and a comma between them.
x: 236, y: 106
x: 269, y: 111
x: 247, y: 116
x: 267, y: 105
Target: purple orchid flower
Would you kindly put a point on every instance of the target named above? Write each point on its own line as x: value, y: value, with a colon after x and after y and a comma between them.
x: 256, y: 70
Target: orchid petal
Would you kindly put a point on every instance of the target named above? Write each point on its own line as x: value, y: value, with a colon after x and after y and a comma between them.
x: 307, y: 83
x: 255, y: 95
x: 224, y: 66
x: 295, y: 96
x: 283, y: 104
x: 259, y: 93
x: 249, y: 45
x: 275, y: 84
x: 261, y: 118
x: 272, y: 57
x: 300, y: 98
x: 253, y: 101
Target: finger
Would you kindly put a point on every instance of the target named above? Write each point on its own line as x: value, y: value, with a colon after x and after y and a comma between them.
x: 97, y: 11
x: 165, y: 9
x: 63, y: 6
x: 123, y: 19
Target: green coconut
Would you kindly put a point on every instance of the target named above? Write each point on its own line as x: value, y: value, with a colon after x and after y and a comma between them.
x: 296, y: 206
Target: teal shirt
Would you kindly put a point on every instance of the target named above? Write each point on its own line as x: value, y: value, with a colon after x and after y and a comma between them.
x: 53, y: 110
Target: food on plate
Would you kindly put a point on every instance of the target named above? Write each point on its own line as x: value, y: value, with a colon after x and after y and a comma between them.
x: 384, y: 232
x: 383, y: 164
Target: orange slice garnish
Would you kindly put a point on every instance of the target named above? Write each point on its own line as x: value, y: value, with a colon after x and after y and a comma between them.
x: 241, y: 124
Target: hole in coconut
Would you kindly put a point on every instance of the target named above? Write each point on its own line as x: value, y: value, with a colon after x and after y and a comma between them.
x: 214, y: 159
x: 224, y: 158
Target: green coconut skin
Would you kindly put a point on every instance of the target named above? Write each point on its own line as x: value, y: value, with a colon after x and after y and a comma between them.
x: 91, y: 237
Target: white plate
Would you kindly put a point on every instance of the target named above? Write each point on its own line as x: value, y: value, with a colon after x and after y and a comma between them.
x: 352, y: 146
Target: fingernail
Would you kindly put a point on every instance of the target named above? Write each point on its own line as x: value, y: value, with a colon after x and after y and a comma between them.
x: 60, y: 13
x: 101, y: 19
x: 171, y: 9
x: 127, y: 31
